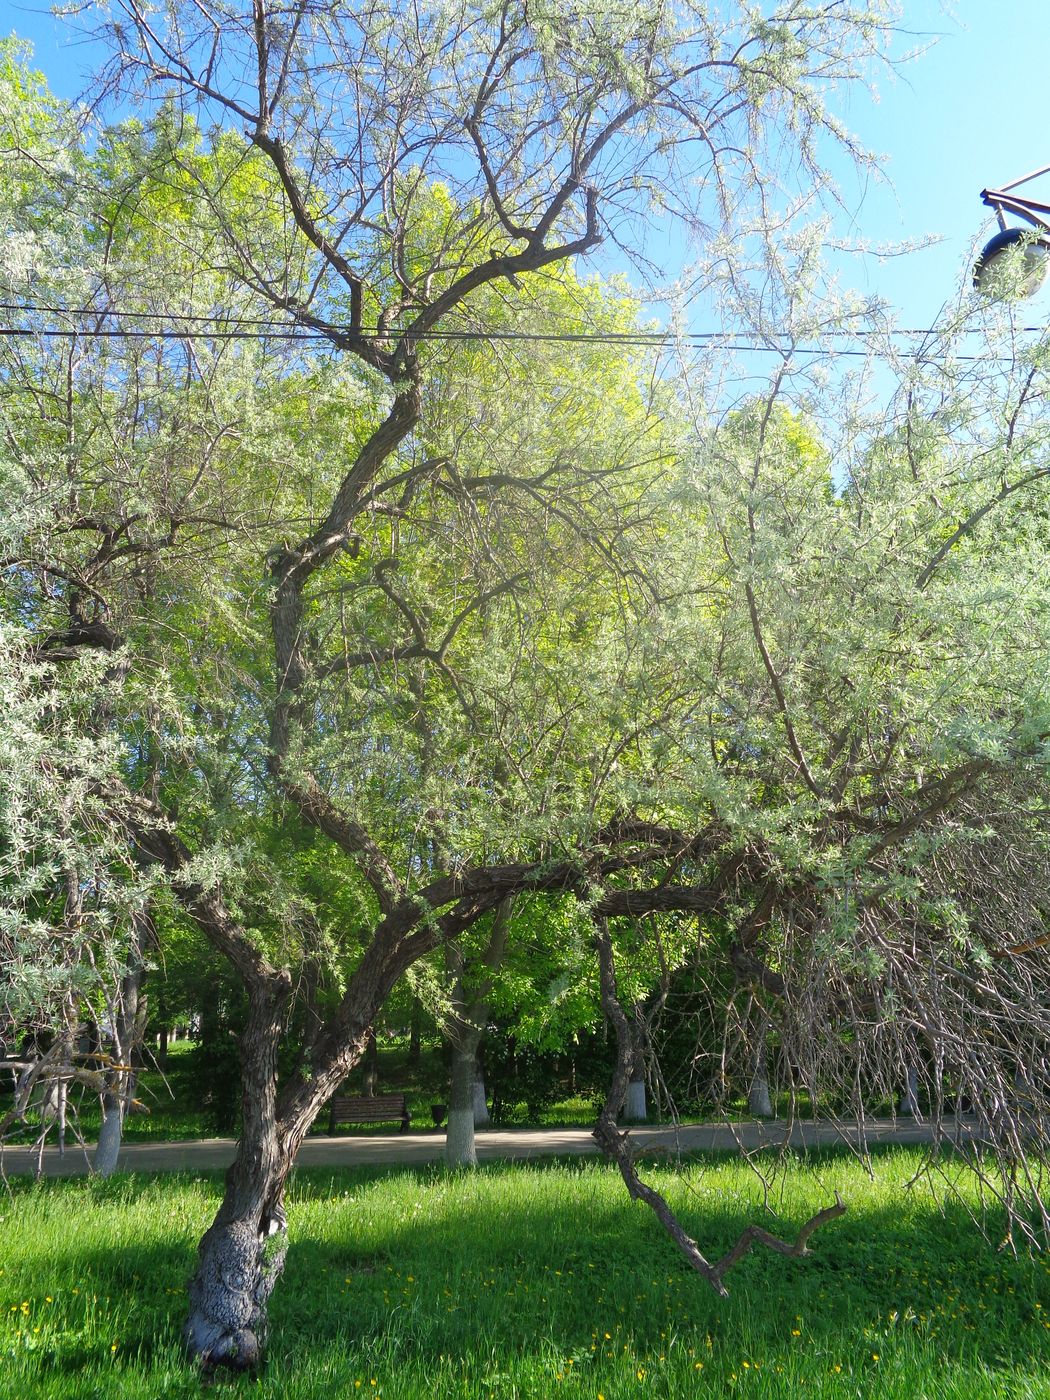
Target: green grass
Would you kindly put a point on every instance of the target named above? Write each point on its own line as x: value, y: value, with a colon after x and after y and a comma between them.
x: 531, y: 1281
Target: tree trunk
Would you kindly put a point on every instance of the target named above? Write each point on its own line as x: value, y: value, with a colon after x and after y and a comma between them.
x: 634, y: 1108
x: 463, y: 1043
x: 460, y: 1150
x: 242, y: 1254
x: 466, y: 1024
x: 127, y: 1028
x: 909, y: 1104
x: 481, y: 1108
x: 371, y: 1078
x: 759, y: 1104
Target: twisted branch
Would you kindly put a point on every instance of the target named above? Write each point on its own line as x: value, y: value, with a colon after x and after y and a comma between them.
x: 617, y: 1148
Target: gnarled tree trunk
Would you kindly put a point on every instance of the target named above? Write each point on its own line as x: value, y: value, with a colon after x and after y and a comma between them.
x: 242, y: 1254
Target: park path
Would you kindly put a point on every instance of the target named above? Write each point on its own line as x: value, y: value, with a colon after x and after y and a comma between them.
x: 211, y: 1154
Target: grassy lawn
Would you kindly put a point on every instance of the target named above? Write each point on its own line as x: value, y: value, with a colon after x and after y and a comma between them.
x: 529, y: 1281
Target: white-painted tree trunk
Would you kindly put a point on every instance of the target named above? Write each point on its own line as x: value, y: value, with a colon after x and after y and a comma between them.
x: 107, y: 1152
x: 759, y: 1104
x: 634, y: 1106
x: 464, y: 1027
x: 463, y: 1039
x: 909, y: 1104
x: 635, y: 1109
x: 481, y: 1108
x: 128, y: 1031
x: 460, y: 1146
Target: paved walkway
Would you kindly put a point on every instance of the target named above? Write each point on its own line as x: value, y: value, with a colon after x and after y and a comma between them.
x: 213, y: 1154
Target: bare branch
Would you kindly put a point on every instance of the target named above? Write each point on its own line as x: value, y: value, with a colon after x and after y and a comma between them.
x: 616, y: 1145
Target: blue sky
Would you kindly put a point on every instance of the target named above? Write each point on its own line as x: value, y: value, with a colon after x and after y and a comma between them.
x: 972, y: 112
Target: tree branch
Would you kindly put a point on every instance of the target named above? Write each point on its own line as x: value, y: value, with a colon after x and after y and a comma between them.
x: 616, y: 1146
x: 317, y: 808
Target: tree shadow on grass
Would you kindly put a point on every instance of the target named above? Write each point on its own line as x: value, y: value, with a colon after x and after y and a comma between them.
x: 414, y: 1266
x: 569, y: 1272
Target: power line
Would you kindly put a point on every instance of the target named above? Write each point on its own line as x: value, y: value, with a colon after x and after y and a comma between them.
x: 197, y: 318
x: 230, y: 329
x: 714, y: 339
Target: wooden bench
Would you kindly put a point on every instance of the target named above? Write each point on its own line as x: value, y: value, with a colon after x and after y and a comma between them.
x: 383, y: 1108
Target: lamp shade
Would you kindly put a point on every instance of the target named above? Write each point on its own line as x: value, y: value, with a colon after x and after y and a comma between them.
x: 1013, y: 263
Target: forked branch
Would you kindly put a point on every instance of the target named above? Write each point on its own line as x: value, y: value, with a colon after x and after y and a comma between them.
x: 617, y: 1147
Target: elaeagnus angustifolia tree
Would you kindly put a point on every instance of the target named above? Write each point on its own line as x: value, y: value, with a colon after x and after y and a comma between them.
x: 435, y: 641
x: 408, y: 167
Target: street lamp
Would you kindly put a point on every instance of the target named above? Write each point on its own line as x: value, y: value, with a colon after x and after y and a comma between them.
x: 1002, y: 248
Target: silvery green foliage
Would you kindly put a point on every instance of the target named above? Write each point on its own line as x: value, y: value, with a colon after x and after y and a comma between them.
x: 67, y: 881
x: 42, y: 198
x: 863, y: 621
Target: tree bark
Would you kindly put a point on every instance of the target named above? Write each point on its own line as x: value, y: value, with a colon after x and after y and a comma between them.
x: 460, y: 1150
x: 466, y: 1024
x: 241, y: 1256
x: 464, y: 1036
x: 909, y: 1104
x: 635, y: 1109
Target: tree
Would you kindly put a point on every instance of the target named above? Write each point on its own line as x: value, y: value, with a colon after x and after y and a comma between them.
x: 73, y: 904
x: 464, y: 1025
x: 417, y: 164
x: 321, y: 570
